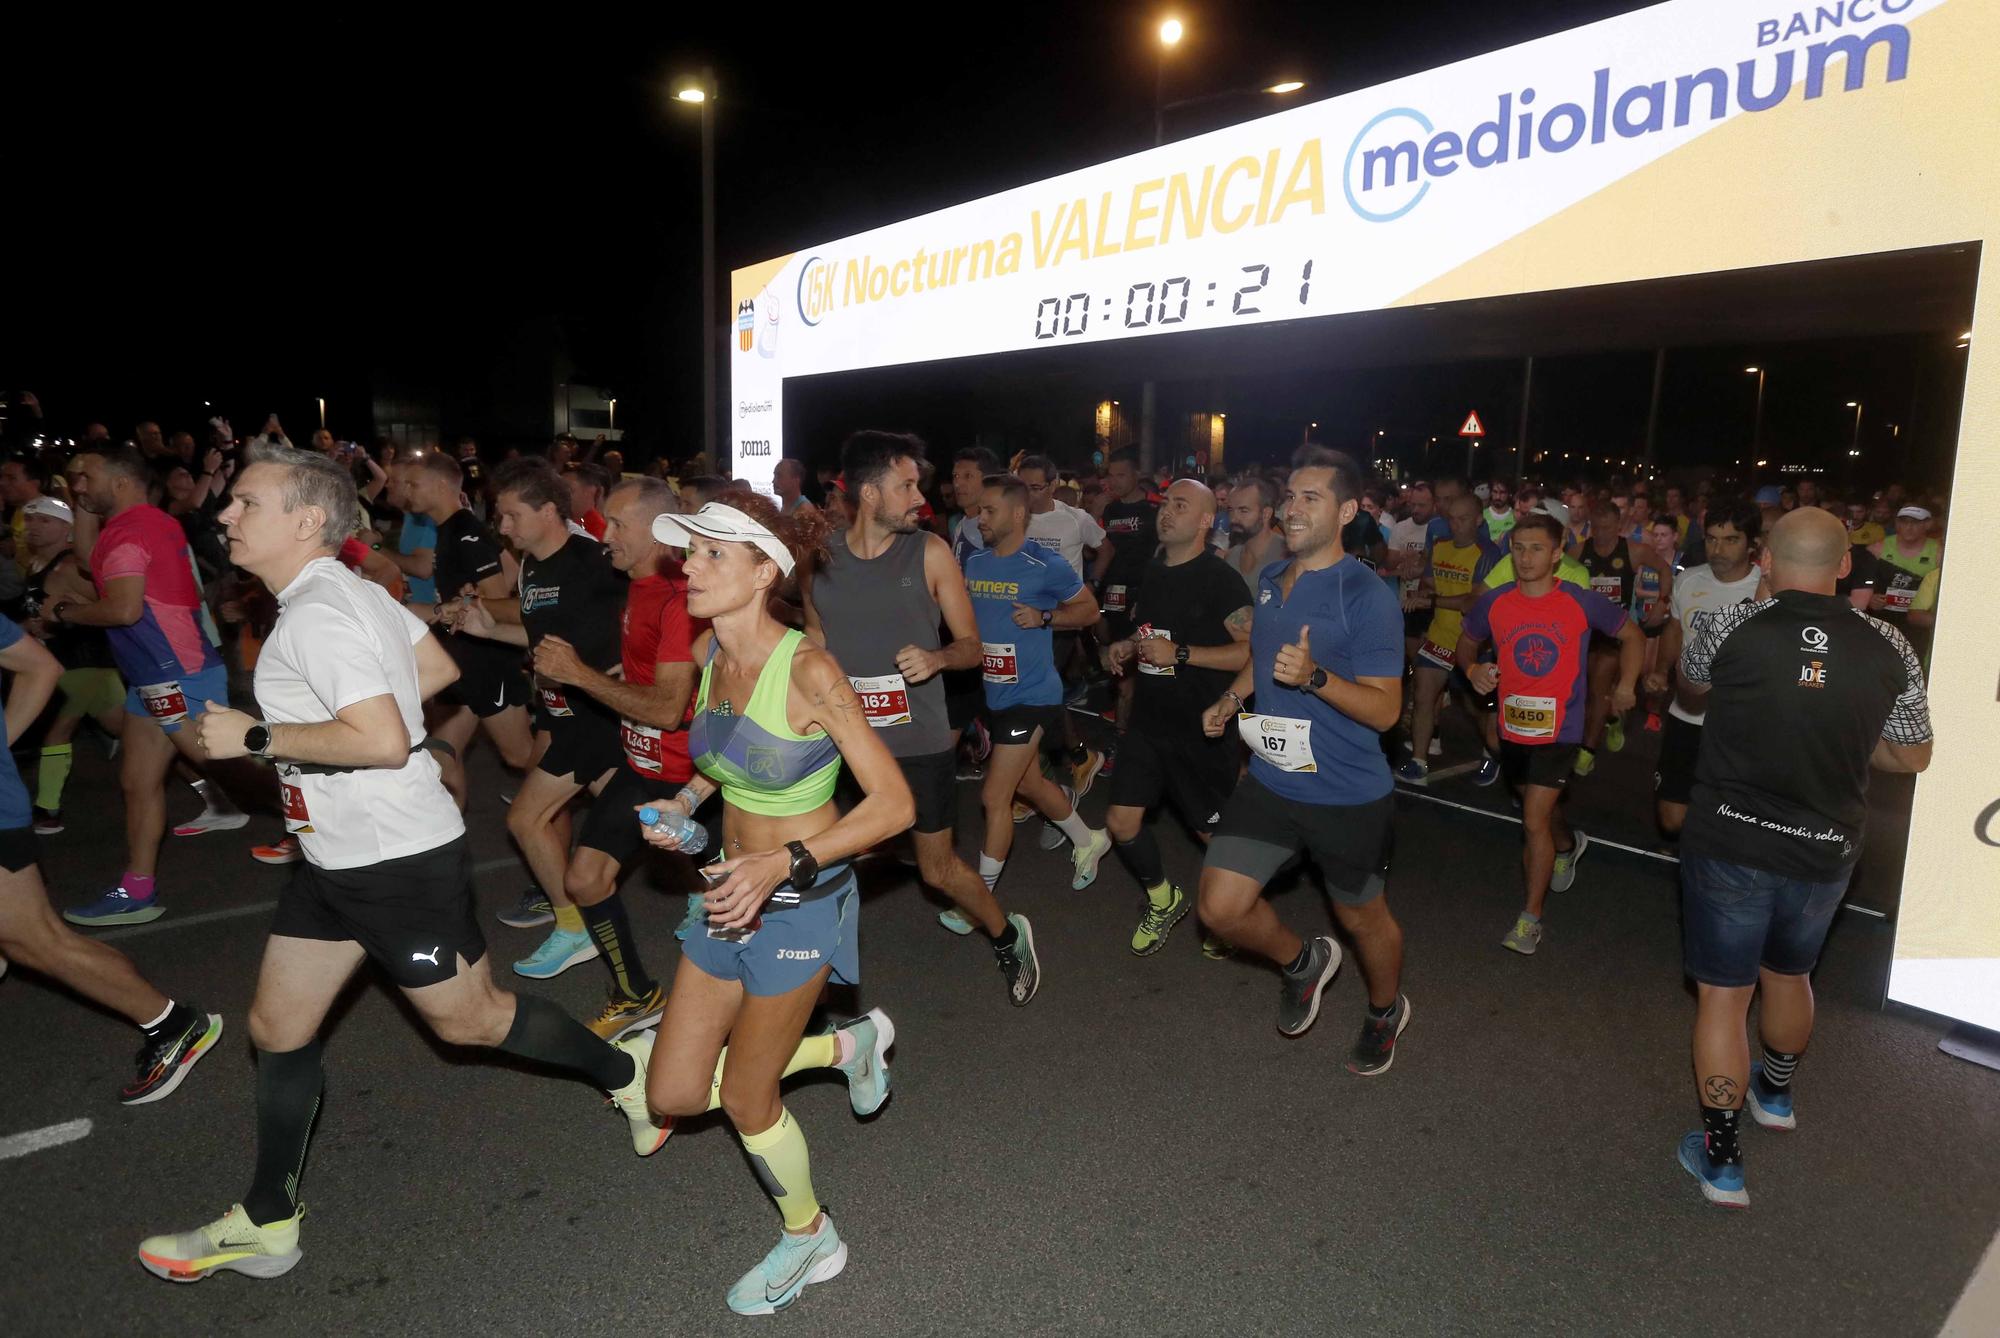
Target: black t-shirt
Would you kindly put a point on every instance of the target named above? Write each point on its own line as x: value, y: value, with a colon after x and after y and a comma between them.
x: 1132, y: 529
x: 574, y: 593
x: 1190, y: 604
x: 465, y: 554
x: 1801, y: 687
x: 1863, y: 571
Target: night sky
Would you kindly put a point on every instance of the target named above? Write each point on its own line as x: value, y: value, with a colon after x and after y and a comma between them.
x: 256, y: 213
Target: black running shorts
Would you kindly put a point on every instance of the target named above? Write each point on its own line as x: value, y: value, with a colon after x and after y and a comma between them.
x: 413, y: 915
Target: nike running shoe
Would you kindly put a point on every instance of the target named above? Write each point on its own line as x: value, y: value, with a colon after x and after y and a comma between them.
x: 1052, y: 835
x: 1772, y: 1110
x: 648, y: 1135
x: 697, y: 913
x: 1614, y: 734
x: 1023, y: 810
x: 1586, y: 762
x: 1375, y: 1049
x: 163, y: 1063
x: 1083, y: 863
x: 621, y: 1016
x: 531, y: 912
x: 1085, y: 770
x: 1019, y: 964
x: 868, y: 1071
x: 1524, y: 937
x: 1414, y: 772
x: 214, y: 820
x: 955, y: 921
x: 561, y: 950
x: 794, y: 1264
x: 1563, y: 874
x: 1157, y: 921
x: 116, y: 907
x: 1722, y: 1184
x: 982, y: 741
x: 970, y: 770
x: 284, y: 852
x: 48, y: 821
x: 234, y: 1243
x: 1489, y: 772
x: 1298, y: 994
x: 1215, y: 949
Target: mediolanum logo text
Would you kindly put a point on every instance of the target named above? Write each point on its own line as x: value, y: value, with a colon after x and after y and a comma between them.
x: 1399, y: 154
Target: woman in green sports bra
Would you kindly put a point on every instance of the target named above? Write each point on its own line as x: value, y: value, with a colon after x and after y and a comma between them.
x: 774, y: 718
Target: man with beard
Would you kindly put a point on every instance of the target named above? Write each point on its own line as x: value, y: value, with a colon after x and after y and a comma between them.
x: 1254, y: 542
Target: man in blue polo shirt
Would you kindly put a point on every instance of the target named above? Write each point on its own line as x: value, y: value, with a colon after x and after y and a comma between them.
x: 1021, y: 593
x: 1326, y: 664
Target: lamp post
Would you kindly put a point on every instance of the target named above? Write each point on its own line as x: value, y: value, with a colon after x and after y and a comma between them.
x: 1757, y: 418
x: 1854, y: 445
x: 700, y: 92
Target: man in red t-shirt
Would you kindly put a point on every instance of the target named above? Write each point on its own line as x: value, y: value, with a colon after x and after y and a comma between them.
x: 587, y: 487
x: 652, y: 698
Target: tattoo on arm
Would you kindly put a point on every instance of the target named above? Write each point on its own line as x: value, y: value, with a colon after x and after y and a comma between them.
x: 1239, y: 622
x: 1719, y: 1090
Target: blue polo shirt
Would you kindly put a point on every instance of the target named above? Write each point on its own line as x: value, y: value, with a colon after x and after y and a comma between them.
x: 418, y: 532
x: 1356, y: 632
x: 1018, y: 663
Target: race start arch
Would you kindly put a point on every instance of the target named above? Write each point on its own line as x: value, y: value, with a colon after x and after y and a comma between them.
x: 1696, y: 137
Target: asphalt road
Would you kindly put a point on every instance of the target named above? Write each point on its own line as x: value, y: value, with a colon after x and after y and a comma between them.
x: 1138, y: 1151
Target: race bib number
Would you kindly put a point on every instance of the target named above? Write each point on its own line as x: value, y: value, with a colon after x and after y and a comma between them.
x: 1282, y: 741
x: 1530, y: 717
x: 885, y: 700
x: 554, y: 702
x: 642, y: 747
x: 1441, y: 656
x: 1114, y: 599
x: 998, y: 663
x: 1899, y: 596
x: 1152, y: 633
x: 293, y: 800
x: 164, y: 702
x: 1609, y: 586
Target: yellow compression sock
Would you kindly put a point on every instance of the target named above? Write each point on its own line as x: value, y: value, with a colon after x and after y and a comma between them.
x: 569, y: 919
x: 54, y: 774
x: 779, y: 1157
x: 814, y: 1052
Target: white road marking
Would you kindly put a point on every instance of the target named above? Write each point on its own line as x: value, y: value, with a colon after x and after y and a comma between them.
x: 251, y: 908
x: 37, y: 1140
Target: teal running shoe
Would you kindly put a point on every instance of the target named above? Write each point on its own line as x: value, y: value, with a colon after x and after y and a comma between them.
x: 559, y: 952
x: 794, y: 1264
x: 868, y: 1072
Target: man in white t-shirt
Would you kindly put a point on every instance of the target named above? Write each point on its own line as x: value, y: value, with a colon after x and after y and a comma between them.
x: 1056, y: 525
x: 1407, y: 559
x: 387, y: 872
x: 1730, y: 576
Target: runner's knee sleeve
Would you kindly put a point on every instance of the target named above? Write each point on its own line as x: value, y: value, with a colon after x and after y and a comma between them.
x: 779, y: 1157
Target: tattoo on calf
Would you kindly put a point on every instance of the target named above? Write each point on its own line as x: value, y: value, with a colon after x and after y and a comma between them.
x: 1719, y: 1090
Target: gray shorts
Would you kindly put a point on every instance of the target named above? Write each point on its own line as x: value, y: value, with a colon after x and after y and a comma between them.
x: 1261, y: 833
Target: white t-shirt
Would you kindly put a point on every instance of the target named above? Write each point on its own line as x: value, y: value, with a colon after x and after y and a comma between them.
x: 340, y: 640
x: 1696, y: 590
x: 1066, y: 530
x: 1411, y: 536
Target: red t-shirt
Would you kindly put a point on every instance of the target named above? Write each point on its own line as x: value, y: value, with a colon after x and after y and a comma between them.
x: 593, y: 520
x: 658, y: 630
x: 1541, y: 643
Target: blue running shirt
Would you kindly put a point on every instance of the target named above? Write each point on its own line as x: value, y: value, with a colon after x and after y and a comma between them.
x: 1019, y: 663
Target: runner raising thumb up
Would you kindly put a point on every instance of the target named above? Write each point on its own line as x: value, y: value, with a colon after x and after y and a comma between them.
x: 1294, y: 664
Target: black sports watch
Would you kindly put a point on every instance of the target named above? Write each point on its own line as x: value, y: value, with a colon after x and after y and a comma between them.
x: 1048, y: 617
x: 1181, y: 653
x: 805, y: 869
x: 257, y: 739
x: 1318, y: 680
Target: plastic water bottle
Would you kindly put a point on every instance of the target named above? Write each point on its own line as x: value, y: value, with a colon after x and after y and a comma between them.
x: 691, y: 834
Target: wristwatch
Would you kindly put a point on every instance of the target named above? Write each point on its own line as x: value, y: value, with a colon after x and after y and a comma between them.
x: 805, y: 869
x: 1048, y: 617
x: 257, y: 739
x: 1318, y: 680
x: 1181, y: 653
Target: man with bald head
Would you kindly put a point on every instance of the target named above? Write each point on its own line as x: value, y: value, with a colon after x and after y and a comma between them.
x: 1805, y: 693
x: 1190, y: 635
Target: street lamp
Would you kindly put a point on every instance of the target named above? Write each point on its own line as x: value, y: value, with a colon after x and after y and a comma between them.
x: 1853, y: 446
x: 1757, y: 419
x: 700, y: 91
x: 613, y: 402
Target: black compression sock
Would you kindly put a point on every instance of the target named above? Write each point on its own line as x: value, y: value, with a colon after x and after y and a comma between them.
x: 544, y: 1033
x: 1380, y: 1014
x: 1141, y: 855
x: 1775, y: 1073
x: 178, y: 1019
x: 288, y: 1091
x: 1720, y: 1126
x: 1006, y: 941
x: 612, y: 929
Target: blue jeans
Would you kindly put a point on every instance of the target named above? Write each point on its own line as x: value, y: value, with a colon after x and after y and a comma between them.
x: 1736, y: 919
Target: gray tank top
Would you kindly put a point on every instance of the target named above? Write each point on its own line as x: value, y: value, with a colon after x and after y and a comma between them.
x: 869, y: 610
